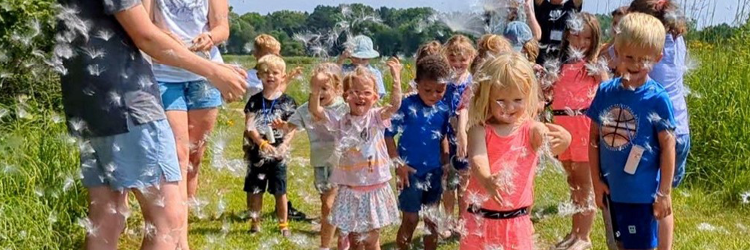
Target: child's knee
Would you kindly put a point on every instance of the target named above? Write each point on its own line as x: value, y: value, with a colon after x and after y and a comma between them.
x: 410, y: 219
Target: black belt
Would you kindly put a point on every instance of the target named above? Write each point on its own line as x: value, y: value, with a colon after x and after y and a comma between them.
x: 576, y: 112
x: 497, y: 215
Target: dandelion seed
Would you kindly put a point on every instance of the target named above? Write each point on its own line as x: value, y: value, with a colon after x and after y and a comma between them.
x: 115, y: 98
x: 575, y: 23
x: 93, y: 53
x: 67, y: 184
x: 707, y: 227
x: 745, y: 197
x: 90, y: 228
x: 95, y: 69
x: 52, y: 218
x: 149, y: 230
x: 575, y: 54
x: 104, y: 34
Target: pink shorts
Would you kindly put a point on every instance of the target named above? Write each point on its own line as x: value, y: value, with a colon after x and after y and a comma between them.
x: 579, y: 127
x: 508, y: 234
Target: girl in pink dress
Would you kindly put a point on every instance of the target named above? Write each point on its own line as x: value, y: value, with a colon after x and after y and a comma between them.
x: 504, y: 141
x: 365, y: 202
x: 579, y: 78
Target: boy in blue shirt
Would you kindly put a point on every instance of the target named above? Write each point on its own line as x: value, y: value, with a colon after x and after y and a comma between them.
x: 422, y: 121
x: 632, y: 150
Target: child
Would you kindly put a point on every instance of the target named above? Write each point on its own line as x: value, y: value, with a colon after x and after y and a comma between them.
x: 460, y: 52
x: 422, y: 125
x: 573, y: 92
x: 608, y: 51
x: 669, y: 72
x: 521, y: 38
x: 504, y: 142
x: 431, y: 48
x: 264, y: 146
x: 632, y: 149
x: 489, y: 45
x: 364, y: 202
x: 360, y: 56
x: 327, y: 78
x: 263, y: 45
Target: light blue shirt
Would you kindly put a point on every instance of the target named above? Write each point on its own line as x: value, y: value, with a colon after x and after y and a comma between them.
x: 670, y: 72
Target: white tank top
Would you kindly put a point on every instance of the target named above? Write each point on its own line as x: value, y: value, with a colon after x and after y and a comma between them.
x: 186, y: 19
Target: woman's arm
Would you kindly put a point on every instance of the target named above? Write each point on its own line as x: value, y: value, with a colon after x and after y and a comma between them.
x: 218, y: 20
x: 536, y: 29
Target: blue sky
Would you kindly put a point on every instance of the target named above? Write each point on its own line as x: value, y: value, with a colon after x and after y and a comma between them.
x: 725, y: 9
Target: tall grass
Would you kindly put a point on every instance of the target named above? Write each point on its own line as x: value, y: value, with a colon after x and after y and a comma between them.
x: 719, y: 107
x: 41, y: 198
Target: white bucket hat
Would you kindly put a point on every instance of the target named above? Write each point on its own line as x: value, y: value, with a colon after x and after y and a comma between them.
x: 363, y: 48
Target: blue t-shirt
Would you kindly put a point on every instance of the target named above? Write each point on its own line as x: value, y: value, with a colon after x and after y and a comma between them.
x: 346, y: 68
x: 422, y: 128
x: 452, y: 98
x: 629, y: 117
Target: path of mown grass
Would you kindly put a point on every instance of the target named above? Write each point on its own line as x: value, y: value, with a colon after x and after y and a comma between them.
x: 702, y: 222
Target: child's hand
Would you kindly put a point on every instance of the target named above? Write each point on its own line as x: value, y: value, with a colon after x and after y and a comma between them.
x: 600, y: 189
x: 559, y: 138
x: 346, y: 54
x: 395, y: 66
x: 492, y: 186
x: 278, y: 123
x: 662, y: 206
x: 403, y: 172
x: 267, y: 149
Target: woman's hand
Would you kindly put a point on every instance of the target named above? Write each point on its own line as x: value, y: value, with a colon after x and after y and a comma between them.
x: 203, y: 42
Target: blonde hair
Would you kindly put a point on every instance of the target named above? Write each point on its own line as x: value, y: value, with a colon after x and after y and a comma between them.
x: 641, y: 31
x: 487, y: 45
x: 268, y: 62
x: 431, y: 48
x: 359, y: 73
x: 459, y: 45
x: 531, y: 50
x: 333, y: 71
x: 265, y: 43
x: 508, y: 70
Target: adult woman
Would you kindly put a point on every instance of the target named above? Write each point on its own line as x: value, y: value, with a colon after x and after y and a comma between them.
x: 552, y: 16
x: 189, y: 100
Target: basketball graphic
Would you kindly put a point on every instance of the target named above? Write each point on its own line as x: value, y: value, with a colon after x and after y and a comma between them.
x: 619, y: 126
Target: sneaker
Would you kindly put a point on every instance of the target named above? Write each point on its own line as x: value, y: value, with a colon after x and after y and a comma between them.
x: 565, y: 243
x: 294, y: 214
x: 579, y: 244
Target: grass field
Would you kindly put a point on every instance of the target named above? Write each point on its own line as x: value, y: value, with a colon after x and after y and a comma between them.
x: 42, y: 203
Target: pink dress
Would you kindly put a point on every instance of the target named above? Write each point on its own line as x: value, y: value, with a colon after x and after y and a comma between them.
x: 573, y: 94
x: 514, y: 159
x: 365, y: 200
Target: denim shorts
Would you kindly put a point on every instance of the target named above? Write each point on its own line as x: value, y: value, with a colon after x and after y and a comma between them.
x: 682, y: 149
x: 422, y: 190
x: 140, y: 158
x: 183, y: 96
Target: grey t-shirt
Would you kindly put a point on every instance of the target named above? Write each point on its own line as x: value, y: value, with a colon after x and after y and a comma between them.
x: 322, y: 142
x: 108, y: 81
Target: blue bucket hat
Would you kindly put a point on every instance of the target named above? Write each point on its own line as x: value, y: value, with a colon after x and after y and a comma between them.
x: 518, y: 33
x: 363, y: 48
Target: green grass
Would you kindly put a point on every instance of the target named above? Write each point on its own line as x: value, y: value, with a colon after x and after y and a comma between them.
x: 39, y: 209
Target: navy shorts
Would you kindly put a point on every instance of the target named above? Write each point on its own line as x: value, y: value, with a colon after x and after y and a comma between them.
x: 635, y: 226
x: 270, y: 176
x: 422, y: 190
x: 682, y: 149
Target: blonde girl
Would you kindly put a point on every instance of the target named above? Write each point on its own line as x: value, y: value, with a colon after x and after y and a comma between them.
x: 504, y: 140
x: 365, y: 202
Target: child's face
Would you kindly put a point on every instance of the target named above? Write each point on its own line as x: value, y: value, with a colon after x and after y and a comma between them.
x: 327, y: 90
x: 272, y: 78
x: 431, y: 91
x: 460, y: 61
x: 507, y: 105
x: 360, y: 61
x: 636, y: 63
x: 582, y: 40
x: 361, y: 96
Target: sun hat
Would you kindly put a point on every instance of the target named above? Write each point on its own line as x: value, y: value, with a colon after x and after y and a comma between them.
x: 363, y: 48
x: 518, y: 33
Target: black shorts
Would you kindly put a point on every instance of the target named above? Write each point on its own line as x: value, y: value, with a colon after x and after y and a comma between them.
x: 269, y: 176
